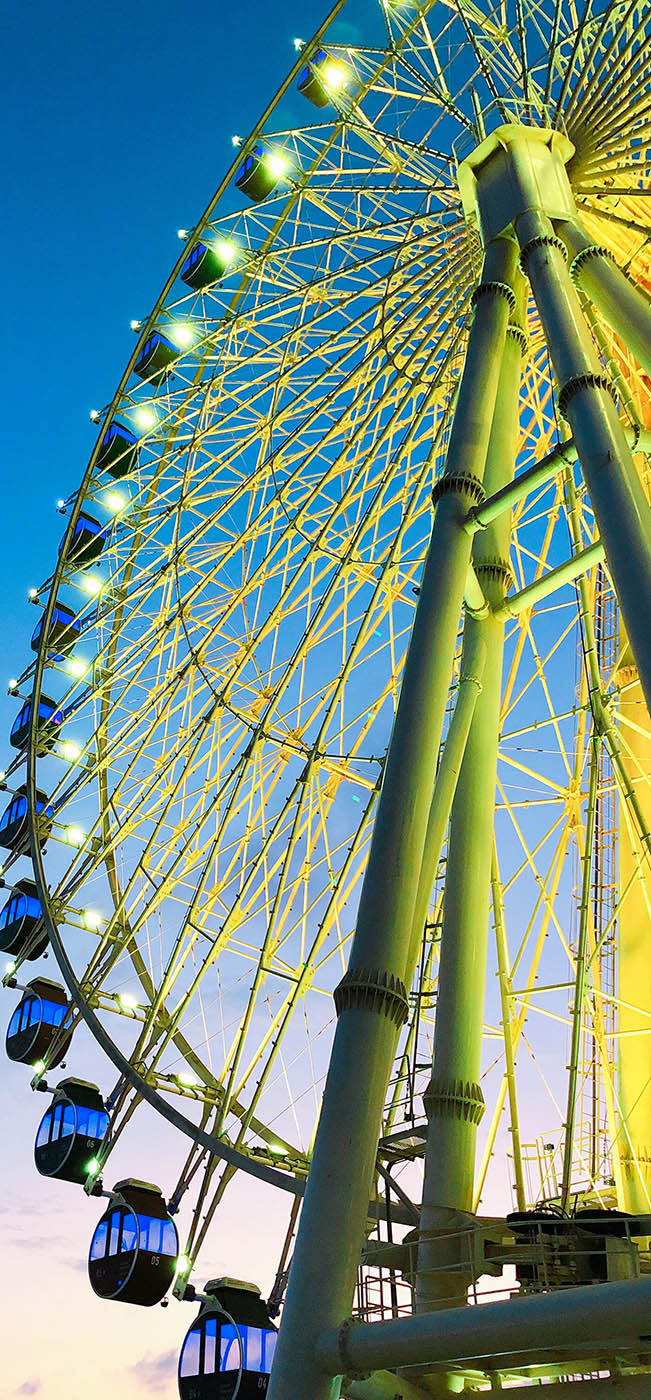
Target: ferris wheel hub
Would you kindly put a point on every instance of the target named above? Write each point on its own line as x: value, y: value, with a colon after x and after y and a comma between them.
x: 516, y: 169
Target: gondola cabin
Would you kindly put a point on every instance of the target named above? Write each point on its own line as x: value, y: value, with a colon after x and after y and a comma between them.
x: 134, y: 1251
x: 48, y: 719
x: 63, y: 631
x: 260, y: 172
x: 319, y: 78
x: 156, y: 356
x: 22, y: 930
x: 71, y: 1131
x: 230, y: 1345
x: 118, y: 454
x: 86, y: 543
x: 40, y: 1022
x: 203, y: 266
x: 14, y: 824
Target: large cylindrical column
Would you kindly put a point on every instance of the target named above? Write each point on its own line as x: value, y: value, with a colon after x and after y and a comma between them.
x: 634, y: 958
x: 453, y: 1101
x: 620, y: 302
x: 371, y: 1000
x: 616, y: 492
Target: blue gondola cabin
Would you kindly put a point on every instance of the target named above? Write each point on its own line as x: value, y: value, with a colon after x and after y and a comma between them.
x: 118, y: 454
x: 203, y: 266
x: 48, y: 720
x: 71, y: 1131
x: 14, y: 823
x: 259, y: 173
x: 134, y: 1251
x: 22, y: 930
x: 86, y: 543
x: 230, y: 1345
x: 156, y: 356
x: 40, y: 1028
x: 311, y: 79
x: 64, y: 630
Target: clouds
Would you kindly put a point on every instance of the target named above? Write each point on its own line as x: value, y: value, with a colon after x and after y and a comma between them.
x: 156, y: 1373
x: 30, y: 1387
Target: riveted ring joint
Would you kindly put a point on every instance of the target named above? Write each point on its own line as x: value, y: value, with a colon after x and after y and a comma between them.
x: 594, y: 251
x: 371, y: 989
x: 544, y: 240
x: 461, y: 484
x: 454, y: 1098
x: 516, y: 333
x: 579, y: 382
x: 493, y: 289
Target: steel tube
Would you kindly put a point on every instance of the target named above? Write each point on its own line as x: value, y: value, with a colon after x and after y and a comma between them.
x: 618, y: 499
x: 371, y: 999
x: 535, y: 476
x: 473, y: 661
x: 453, y: 1100
x: 620, y: 302
x: 564, y: 573
x: 606, y: 1317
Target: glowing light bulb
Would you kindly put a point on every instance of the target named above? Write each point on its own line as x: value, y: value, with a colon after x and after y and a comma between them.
x: 183, y: 1264
x: 61, y: 505
x: 10, y: 968
x: 135, y: 325
x: 91, y: 584
x: 183, y: 234
x: 298, y: 44
x: 91, y: 919
x: 181, y: 335
x: 92, y: 1167
x: 94, y: 415
x: 187, y: 1079
x: 334, y: 76
x: 32, y: 594
x: 276, y: 164
x: 76, y: 666
x: 75, y: 836
x: 236, y: 141
x: 127, y: 1001
x: 144, y: 417
x: 225, y: 251
x: 2, y: 779
x: 70, y: 751
x: 38, y: 1066
x: 114, y: 501
x: 12, y: 687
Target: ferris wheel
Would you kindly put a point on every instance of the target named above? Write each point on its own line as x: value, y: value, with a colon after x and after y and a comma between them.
x: 201, y: 739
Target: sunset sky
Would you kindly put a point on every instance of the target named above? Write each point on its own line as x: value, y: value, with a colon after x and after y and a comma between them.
x: 118, y: 123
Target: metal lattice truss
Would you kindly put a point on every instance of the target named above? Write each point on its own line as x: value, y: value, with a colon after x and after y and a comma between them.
x: 230, y: 698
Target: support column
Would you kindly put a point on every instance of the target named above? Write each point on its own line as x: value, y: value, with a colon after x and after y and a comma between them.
x: 634, y: 960
x: 454, y: 1101
x: 585, y: 399
x: 622, y: 305
x: 371, y: 1000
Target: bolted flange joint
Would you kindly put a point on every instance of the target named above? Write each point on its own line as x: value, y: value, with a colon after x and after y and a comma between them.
x: 370, y: 989
x: 495, y: 571
x: 544, y: 240
x: 577, y: 383
x: 519, y: 335
x: 454, y: 1098
x: 594, y: 251
x: 493, y: 289
x: 461, y: 484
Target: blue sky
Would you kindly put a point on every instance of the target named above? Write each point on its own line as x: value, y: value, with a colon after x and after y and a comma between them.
x: 117, y: 129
